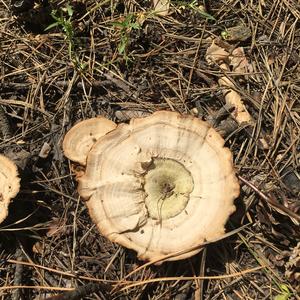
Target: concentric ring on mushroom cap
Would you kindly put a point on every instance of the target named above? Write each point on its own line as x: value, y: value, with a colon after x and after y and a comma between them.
x: 9, y: 184
x: 115, y: 181
x: 81, y: 137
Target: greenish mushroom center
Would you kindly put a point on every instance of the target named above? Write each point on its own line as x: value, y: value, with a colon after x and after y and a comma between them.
x: 168, y: 185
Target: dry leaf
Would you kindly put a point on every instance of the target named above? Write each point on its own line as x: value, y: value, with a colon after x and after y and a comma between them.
x: 239, y: 62
x: 56, y: 227
x: 218, y: 55
x: 38, y: 248
x: 45, y: 150
x: 234, y: 99
x: 161, y: 7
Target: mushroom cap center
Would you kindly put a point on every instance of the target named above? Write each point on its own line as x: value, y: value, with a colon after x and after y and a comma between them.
x: 167, y: 185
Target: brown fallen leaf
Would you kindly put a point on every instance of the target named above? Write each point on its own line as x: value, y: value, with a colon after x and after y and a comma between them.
x: 45, y: 150
x: 218, y: 55
x: 293, y: 267
x: 233, y: 98
x: 239, y: 62
x: 38, y: 248
x: 56, y: 227
x: 161, y: 7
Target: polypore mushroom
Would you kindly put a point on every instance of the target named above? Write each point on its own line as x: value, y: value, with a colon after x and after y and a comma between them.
x: 81, y: 137
x: 9, y: 184
x: 160, y: 185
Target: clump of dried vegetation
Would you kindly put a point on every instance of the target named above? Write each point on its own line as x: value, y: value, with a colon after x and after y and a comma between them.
x: 119, y: 59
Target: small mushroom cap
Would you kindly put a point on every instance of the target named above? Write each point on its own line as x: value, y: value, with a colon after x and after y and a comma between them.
x: 9, y: 184
x: 82, y: 136
x: 160, y: 185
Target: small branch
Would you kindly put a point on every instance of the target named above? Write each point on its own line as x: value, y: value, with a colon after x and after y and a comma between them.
x: 84, y: 291
x: 277, y: 206
x: 16, y: 294
x: 4, y: 125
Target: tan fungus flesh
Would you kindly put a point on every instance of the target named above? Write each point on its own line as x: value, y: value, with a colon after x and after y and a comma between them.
x: 80, y: 138
x: 196, y: 175
x: 9, y: 184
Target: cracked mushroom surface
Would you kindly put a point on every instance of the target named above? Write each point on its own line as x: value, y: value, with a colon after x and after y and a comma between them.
x: 160, y: 185
x: 9, y: 184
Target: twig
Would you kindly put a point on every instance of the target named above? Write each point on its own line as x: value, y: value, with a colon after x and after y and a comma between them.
x: 67, y: 274
x: 200, y: 283
x: 16, y: 294
x: 215, y: 118
x: 218, y: 277
x: 293, y: 216
x: 4, y: 125
x: 83, y: 291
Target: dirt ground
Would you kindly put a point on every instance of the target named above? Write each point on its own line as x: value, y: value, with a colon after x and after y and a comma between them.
x: 120, y: 59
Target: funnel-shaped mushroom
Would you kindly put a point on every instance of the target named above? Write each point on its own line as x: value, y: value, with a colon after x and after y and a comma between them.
x: 9, y: 184
x: 160, y: 185
x: 81, y: 137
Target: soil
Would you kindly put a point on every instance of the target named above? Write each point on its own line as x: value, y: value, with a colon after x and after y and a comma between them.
x: 63, y: 63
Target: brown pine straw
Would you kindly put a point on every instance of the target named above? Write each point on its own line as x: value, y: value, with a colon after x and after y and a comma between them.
x: 36, y: 287
x: 13, y: 261
x: 217, y: 277
x: 128, y: 284
x: 122, y: 282
x: 284, y: 210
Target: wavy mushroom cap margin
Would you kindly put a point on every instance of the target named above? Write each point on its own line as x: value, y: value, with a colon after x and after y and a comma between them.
x: 9, y: 184
x: 160, y: 185
x: 82, y: 136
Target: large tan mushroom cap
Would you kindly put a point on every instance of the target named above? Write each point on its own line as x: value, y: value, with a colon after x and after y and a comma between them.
x: 81, y: 137
x: 160, y: 185
x: 9, y: 184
